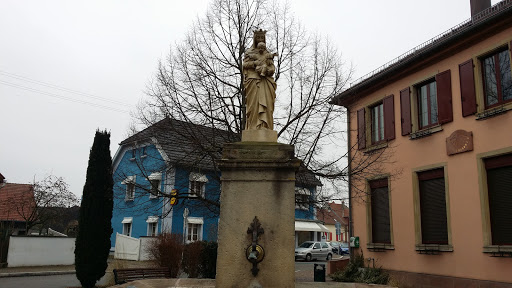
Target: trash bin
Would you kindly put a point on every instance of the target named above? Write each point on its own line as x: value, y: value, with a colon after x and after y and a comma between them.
x: 319, y: 273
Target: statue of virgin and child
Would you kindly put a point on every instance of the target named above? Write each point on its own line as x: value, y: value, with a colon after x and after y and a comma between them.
x: 259, y: 84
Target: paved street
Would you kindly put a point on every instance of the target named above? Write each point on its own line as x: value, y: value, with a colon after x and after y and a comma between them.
x: 304, y: 270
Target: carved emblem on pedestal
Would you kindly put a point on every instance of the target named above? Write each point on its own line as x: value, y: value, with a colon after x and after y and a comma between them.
x: 460, y: 141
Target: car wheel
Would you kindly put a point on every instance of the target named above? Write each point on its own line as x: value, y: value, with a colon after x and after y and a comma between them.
x: 308, y: 257
x: 329, y: 256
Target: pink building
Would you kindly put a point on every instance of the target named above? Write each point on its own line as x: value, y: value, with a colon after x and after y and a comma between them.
x: 436, y: 127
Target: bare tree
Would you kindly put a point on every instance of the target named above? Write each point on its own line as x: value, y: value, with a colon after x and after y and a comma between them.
x: 44, y: 206
x: 201, y: 82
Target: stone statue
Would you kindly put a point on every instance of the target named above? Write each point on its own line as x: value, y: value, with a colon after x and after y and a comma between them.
x: 260, y: 87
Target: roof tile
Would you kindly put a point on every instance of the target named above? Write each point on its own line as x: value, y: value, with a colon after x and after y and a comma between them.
x: 13, y: 197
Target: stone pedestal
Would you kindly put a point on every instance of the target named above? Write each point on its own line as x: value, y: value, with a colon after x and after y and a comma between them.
x: 258, y: 179
x: 262, y: 135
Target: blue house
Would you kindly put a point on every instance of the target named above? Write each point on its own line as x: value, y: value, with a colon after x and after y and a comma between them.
x: 166, y: 180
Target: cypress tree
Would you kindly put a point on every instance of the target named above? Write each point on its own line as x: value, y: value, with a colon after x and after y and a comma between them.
x: 93, y: 240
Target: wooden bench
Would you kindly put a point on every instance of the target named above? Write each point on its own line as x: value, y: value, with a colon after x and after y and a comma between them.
x: 126, y: 275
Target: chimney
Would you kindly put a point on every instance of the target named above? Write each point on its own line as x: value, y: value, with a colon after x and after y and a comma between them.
x: 478, y: 6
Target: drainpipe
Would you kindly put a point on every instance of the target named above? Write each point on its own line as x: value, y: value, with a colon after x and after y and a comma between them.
x: 350, y: 225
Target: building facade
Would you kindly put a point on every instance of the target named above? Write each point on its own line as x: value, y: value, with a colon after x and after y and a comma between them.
x: 335, y: 218
x: 435, y: 210
x: 164, y: 181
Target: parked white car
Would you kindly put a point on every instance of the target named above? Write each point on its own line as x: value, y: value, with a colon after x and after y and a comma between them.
x: 310, y: 250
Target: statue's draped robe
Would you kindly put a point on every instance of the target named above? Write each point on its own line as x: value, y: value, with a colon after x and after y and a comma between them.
x: 260, y: 92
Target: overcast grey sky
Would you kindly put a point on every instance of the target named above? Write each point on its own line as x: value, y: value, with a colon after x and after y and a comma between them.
x: 70, y: 67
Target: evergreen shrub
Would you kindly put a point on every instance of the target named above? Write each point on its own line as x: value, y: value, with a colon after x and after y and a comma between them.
x: 92, y: 245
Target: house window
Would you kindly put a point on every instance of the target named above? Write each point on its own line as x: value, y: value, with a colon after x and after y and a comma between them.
x: 302, y: 200
x: 380, y: 220
x: 193, y: 232
x: 130, y: 188
x: 432, y: 100
x: 377, y: 115
x: 154, y: 182
x: 196, y: 188
x: 197, y: 184
x: 155, y: 189
x: 152, y: 229
x: 130, y: 191
x: 497, y: 78
x: 377, y: 118
x: 499, y: 189
x: 127, y: 226
x: 152, y: 225
x: 427, y: 104
x: 433, y: 215
x: 194, y: 229
x: 127, y: 229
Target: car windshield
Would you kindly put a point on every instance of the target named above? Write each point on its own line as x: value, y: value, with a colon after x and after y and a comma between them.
x: 306, y: 244
x: 334, y: 243
x: 344, y: 245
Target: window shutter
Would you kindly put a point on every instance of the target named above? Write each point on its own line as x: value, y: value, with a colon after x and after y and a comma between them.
x: 434, y: 228
x: 381, y: 232
x: 444, y: 97
x: 499, y: 183
x: 361, y: 129
x: 405, y: 107
x: 467, y: 88
x: 389, y: 117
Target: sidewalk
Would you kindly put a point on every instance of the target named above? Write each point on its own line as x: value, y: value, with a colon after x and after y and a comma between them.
x: 37, y: 271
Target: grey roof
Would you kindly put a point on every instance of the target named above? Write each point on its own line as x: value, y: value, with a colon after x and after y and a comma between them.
x: 487, y: 21
x: 186, y: 144
x: 198, y: 146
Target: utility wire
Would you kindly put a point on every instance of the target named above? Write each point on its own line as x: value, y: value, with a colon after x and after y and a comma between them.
x: 23, y: 78
x: 63, y: 97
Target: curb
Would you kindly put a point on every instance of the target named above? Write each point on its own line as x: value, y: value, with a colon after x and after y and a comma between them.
x: 26, y: 274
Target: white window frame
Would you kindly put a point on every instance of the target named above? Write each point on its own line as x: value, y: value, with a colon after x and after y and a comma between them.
x: 157, y: 176
x: 130, y: 188
x: 201, y: 180
x: 195, y: 221
x: 152, y: 226
x: 127, y: 222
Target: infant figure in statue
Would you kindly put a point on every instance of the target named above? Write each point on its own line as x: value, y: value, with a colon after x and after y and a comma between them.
x: 264, y: 59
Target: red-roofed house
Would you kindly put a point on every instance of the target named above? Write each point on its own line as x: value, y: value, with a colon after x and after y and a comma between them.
x: 16, y: 205
x: 335, y: 213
